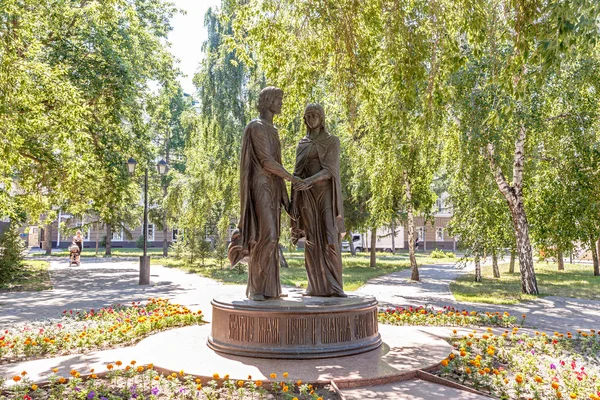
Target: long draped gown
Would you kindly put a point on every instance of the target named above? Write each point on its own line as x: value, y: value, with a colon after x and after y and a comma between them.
x: 320, y: 210
x: 261, y: 193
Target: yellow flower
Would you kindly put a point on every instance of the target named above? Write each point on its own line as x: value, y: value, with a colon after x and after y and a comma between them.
x: 240, y: 383
x: 34, y: 387
x: 119, y: 363
x: 285, y: 374
x: 258, y: 383
x: 133, y: 362
x: 62, y: 380
x: 285, y: 388
x: 226, y: 377
x: 519, y: 378
x: 23, y: 373
x: 16, y: 378
x: 156, y: 377
x: 199, y: 387
x: 181, y: 373
x: 109, y: 367
x: 295, y: 398
x: 555, y: 385
x: 573, y: 396
x: 299, y: 383
x: 94, y: 376
x: 538, y: 379
x: 140, y: 369
x: 55, y: 370
x: 215, y: 376
x: 273, y: 375
x: 445, y: 362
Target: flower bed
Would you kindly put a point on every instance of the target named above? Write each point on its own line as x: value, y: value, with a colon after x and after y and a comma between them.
x: 143, y: 382
x: 448, y: 316
x: 516, y: 365
x: 79, y: 331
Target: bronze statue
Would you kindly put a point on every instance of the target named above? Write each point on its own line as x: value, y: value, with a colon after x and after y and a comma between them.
x: 262, y: 192
x: 317, y: 207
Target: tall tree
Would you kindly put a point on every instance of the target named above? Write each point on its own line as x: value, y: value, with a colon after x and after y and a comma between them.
x: 510, y: 48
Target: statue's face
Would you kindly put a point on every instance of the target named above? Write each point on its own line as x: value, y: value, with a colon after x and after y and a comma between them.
x: 276, y: 105
x: 313, y: 119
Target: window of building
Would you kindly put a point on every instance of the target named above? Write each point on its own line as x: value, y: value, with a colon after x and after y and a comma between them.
x: 421, y: 233
x: 439, y: 234
x: 117, y: 236
x: 151, y: 232
x: 439, y: 204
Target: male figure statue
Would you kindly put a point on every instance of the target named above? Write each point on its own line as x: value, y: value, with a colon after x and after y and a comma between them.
x: 262, y: 192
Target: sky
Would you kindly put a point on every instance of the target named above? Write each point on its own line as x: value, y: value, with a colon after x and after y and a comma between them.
x: 187, y: 37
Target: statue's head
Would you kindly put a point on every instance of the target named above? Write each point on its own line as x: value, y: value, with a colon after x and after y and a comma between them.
x: 270, y: 98
x: 314, y: 116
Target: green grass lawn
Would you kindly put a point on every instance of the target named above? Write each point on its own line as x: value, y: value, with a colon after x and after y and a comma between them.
x: 33, y: 277
x: 356, y: 270
x: 577, y: 280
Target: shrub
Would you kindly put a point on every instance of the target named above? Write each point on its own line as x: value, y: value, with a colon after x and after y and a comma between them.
x: 178, y: 248
x: 11, y: 253
x: 139, y: 243
x: 103, y: 241
x: 438, y: 254
x: 450, y: 254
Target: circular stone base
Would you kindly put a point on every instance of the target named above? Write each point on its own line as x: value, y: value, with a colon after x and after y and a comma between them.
x: 295, y: 327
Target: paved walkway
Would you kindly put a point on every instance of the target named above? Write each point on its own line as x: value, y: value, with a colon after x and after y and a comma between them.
x: 103, y: 282
x: 548, y: 313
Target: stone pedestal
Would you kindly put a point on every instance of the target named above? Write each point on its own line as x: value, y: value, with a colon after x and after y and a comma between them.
x: 295, y: 327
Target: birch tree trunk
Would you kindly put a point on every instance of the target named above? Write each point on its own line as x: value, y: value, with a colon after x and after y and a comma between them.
x: 596, y: 269
x: 595, y: 257
x: 495, y: 267
x: 477, y: 268
x: 561, y: 261
x: 411, y: 230
x: 48, y: 237
x: 373, y: 263
x: 514, y: 197
x: 393, y: 237
x: 351, y: 242
x: 282, y: 261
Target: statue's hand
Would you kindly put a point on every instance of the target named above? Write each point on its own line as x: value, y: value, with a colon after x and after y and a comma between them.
x: 304, y: 185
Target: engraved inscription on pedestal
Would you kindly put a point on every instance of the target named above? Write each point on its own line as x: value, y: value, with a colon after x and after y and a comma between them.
x: 295, y: 328
x: 268, y: 331
x: 241, y: 328
x: 335, y: 330
x: 296, y: 331
x: 365, y: 325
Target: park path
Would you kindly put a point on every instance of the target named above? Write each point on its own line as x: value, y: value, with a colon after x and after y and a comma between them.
x: 103, y: 282
x: 548, y: 313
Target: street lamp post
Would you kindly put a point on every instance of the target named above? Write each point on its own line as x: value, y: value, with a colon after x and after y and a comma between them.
x: 145, y: 259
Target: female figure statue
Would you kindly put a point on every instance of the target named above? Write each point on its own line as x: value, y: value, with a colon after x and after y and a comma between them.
x: 317, y: 208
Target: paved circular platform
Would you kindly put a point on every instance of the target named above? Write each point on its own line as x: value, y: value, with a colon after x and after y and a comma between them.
x: 294, y: 327
x: 404, y: 350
